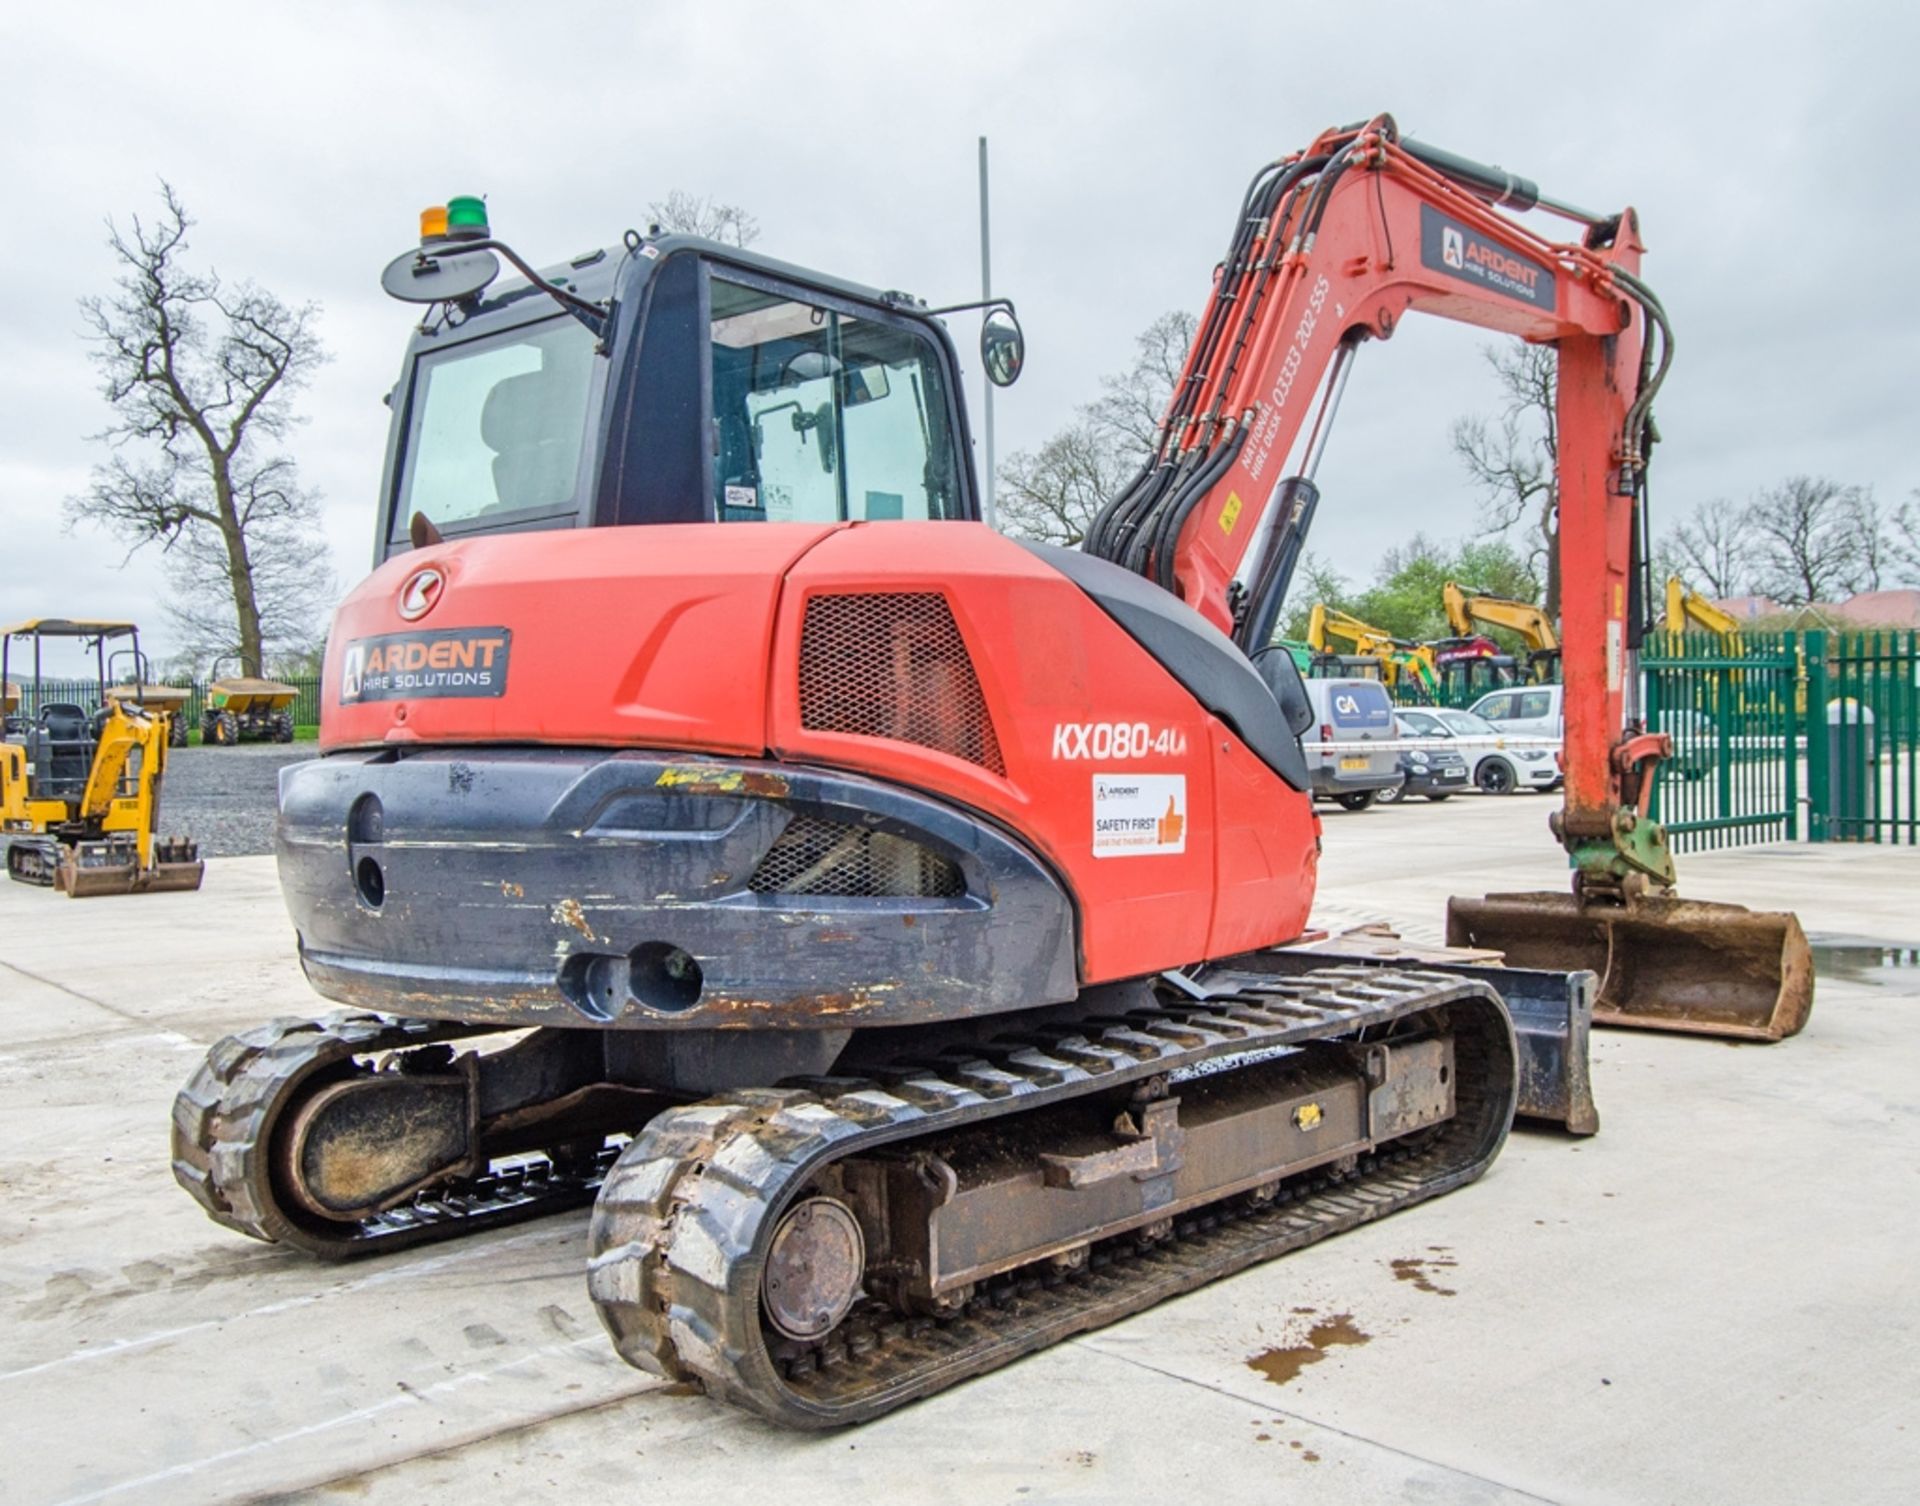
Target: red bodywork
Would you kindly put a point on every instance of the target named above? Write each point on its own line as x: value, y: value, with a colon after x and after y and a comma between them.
x: 687, y: 637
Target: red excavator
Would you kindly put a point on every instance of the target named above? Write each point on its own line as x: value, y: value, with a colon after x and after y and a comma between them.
x: 887, y: 924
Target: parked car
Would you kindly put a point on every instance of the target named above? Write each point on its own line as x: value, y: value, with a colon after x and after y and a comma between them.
x: 1498, y: 767
x: 1350, y: 714
x: 1437, y: 773
x: 1525, y: 711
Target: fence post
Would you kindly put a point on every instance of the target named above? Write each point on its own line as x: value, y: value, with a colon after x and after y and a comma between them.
x: 1784, y: 720
x: 1650, y: 674
x: 1814, y: 722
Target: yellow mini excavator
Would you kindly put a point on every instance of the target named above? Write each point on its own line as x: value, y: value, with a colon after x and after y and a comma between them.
x: 80, y: 789
x: 1468, y: 611
x: 1401, y: 661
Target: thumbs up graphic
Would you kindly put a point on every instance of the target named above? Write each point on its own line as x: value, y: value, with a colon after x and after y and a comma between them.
x: 1170, y: 825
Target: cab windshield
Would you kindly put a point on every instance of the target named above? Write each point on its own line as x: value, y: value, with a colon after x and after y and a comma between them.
x: 497, y: 427
x: 820, y: 416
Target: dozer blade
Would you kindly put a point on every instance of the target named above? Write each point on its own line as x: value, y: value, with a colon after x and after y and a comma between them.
x: 1663, y: 964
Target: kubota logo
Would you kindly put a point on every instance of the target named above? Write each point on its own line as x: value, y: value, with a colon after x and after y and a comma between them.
x: 422, y: 590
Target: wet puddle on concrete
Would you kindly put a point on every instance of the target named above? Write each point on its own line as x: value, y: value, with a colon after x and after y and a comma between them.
x: 1419, y: 1270
x: 1283, y: 1364
x: 1871, y: 962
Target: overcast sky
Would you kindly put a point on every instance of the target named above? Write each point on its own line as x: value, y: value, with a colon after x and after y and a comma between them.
x: 1766, y: 147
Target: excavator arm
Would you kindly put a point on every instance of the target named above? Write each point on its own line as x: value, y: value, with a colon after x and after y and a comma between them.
x: 1333, y: 247
x: 1397, y: 656
x: 1469, y: 610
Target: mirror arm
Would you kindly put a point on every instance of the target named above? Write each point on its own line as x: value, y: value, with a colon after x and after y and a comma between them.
x: 593, y: 315
x: 978, y: 303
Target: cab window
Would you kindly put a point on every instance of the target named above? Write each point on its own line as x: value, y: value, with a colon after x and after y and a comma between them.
x: 1536, y: 704
x: 497, y: 426
x: 820, y: 416
x: 1496, y: 708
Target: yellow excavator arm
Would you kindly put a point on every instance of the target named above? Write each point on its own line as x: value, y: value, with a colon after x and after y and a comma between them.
x: 1688, y: 608
x: 1468, y: 610
x: 1397, y: 656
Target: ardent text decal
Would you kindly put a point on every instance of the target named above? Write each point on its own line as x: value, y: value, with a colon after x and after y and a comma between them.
x: 1448, y: 246
x: 1139, y: 815
x: 422, y: 666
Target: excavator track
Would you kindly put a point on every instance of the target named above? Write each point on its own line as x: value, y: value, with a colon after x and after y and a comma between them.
x: 692, y: 1212
x: 223, y: 1130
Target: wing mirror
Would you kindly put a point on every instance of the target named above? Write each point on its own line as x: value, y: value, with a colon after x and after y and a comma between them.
x: 1003, y: 347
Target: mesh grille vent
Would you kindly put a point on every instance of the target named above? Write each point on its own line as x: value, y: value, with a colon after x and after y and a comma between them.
x: 894, y: 665
x: 817, y: 856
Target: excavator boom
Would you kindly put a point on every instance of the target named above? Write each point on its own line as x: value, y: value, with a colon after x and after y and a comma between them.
x: 1334, y: 246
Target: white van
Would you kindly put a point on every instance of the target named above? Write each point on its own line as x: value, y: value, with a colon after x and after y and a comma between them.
x: 1349, y: 714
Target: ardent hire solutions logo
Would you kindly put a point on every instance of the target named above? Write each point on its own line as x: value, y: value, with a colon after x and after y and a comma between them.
x: 423, y: 589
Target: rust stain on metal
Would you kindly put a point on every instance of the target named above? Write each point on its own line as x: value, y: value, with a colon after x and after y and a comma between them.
x: 510, y: 890
x: 704, y: 779
x: 1281, y: 1365
x: 1419, y: 1269
x: 569, y: 913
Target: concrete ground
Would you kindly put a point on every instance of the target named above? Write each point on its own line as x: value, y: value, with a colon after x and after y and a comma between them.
x: 1711, y: 1301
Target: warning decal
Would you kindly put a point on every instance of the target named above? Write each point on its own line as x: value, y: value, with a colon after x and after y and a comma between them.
x: 1139, y: 815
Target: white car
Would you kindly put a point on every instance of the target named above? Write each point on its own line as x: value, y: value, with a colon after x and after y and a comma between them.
x: 1501, y: 763
x: 1526, y: 710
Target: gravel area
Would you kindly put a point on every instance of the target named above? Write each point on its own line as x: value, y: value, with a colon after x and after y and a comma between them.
x: 225, y: 798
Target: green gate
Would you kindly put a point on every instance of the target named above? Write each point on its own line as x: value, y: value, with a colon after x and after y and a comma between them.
x: 1863, y: 724
x: 1734, y: 711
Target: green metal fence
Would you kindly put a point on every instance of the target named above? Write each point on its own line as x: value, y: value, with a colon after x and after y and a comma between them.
x: 1863, y: 733
x: 86, y: 693
x: 1734, y: 714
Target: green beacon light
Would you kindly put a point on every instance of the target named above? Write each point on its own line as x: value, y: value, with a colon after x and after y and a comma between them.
x: 467, y: 219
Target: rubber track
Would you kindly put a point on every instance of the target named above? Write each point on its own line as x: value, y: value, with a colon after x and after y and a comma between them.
x: 223, y: 1123
x: 679, y: 1232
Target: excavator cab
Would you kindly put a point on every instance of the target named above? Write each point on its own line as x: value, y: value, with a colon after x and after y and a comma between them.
x: 672, y: 380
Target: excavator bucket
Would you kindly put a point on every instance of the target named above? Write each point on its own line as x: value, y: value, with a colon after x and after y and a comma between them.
x: 1663, y: 963
x: 92, y: 868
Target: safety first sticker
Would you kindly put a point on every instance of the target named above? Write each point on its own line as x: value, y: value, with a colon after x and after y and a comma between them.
x: 1139, y: 815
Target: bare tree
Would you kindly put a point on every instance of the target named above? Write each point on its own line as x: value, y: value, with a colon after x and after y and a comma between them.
x: 1053, y: 493
x: 685, y: 213
x: 201, y: 375
x: 1905, y: 552
x: 1875, y: 545
x: 1805, y: 542
x: 1513, y: 458
x: 1133, y: 401
x: 1715, y: 548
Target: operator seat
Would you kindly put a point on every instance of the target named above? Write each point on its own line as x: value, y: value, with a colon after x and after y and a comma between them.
x: 534, y: 458
x: 60, y: 750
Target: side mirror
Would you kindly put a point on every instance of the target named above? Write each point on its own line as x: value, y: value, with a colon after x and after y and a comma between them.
x: 1003, y: 347
x: 439, y: 276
